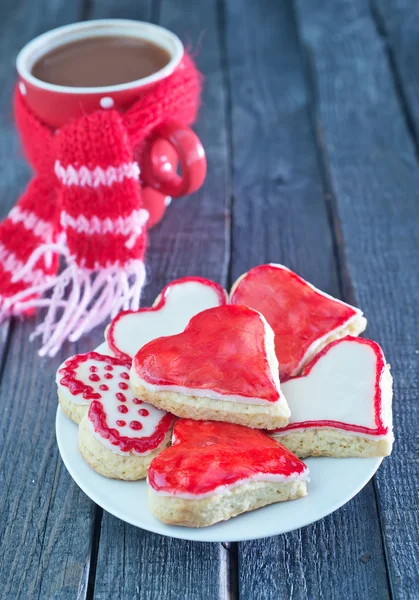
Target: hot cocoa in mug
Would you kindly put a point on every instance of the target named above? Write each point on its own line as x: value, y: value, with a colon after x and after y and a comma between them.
x: 77, y: 69
x: 101, y: 61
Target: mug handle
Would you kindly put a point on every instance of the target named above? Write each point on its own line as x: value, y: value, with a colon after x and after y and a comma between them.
x: 158, y: 171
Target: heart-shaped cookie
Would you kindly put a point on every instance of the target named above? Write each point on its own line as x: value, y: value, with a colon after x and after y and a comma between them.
x: 214, y: 471
x: 222, y: 367
x: 179, y: 301
x: 121, y: 434
x: 303, y: 318
x: 83, y: 378
x: 341, y: 404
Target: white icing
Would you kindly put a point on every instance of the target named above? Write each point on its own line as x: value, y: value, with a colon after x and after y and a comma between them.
x: 340, y: 387
x: 213, y: 395
x: 65, y: 392
x: 226, y: 489
x: 183, y: 300
x: 320, y: 342
x: 110, y: 402
x: 110, y: 405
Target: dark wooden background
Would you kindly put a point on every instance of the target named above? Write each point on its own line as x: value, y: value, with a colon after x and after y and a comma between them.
x: 310, y: 120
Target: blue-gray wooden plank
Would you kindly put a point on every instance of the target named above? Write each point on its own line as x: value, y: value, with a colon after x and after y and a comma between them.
x: 374, y: 173
x: 192, y: 239
x: 398, y: 22
x: 45, y: 521
x: 280, y: 214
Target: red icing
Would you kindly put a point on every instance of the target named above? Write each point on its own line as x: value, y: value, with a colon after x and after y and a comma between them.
x: 140, y: 445
x: 76, y: 386
x: 123, y: 409
x: 108, y: 376
x: 381, y: 429
x: 222, y: 349
x: 94, y: 377
x: 221, y: 293
x: 121, y: 423
x: 109, y: 368
x: 206, y: 455
x: 137, y: 401
x: 298, y: 314
x: 93, y: 369
x: 104, y: 387
x: 123, y: 386
x: 136, y: 425
x: 120, y: 396
x: 124, y: 375
x: 143, y: 412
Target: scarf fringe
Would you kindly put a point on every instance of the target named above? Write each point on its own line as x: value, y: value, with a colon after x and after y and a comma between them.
x: 80, y: 300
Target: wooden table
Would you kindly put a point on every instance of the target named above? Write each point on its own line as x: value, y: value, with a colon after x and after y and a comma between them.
x: 310, y: 120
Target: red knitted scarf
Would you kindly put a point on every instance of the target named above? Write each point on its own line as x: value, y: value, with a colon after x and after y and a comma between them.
x: 84, y: 203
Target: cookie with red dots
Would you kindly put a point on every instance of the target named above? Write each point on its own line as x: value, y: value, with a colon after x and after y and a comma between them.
x: 83, y: 378
x: 119, y: 434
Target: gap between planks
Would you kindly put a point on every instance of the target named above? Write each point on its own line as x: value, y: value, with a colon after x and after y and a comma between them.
x: 344, y: 280
x: 402, y: 99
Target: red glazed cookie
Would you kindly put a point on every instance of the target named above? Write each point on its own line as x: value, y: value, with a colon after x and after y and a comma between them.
x: 222, y: 367
x: 215, y: 471
x: 341, y: 404
x: 179, y: 301
x: 303, y: 318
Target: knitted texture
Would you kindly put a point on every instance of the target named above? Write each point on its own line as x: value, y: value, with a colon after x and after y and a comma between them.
x: 85, y: 204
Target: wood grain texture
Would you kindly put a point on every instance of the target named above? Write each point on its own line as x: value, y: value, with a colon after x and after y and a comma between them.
x: 45, y: 521
x: 375, y: 177
x: 141, y: 10
x: 398, y: 22
x: 280, y: 215
x: 192, y: 239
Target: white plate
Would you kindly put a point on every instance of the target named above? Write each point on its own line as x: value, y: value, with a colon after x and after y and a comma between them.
x: 333, y: 482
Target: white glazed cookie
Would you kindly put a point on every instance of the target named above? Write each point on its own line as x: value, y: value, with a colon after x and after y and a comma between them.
x: 129, y: 467
x: 120, y: 434
x: 341, y: 404
x: 179, y: 301
x: 222, y: 367
x: 78, y: 382
x: 214, y: 471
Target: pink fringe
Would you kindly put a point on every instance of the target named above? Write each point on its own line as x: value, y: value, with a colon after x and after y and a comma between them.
x: 80, y: 299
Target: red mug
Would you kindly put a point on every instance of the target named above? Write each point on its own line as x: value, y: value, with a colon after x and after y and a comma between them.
x: 169, y: 145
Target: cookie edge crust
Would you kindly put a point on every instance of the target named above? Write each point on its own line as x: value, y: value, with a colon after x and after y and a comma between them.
x: 256, y: 416
x: 202, y: 512
x: 333, y: 444
x: 73, y: 411
x: 128, y: 467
